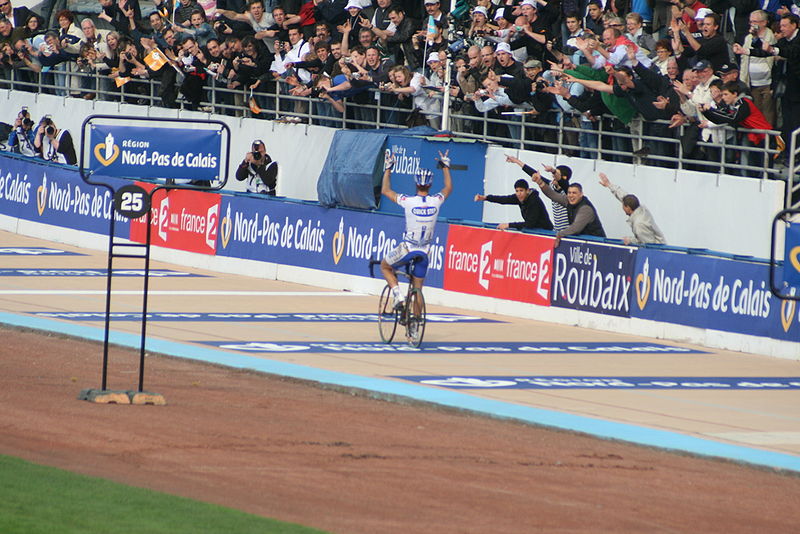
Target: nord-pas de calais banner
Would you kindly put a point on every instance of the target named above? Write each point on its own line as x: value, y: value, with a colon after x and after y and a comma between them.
x: 56, y: 195
x: 305, y: 235
x: 139, y: 152
x: 593, y: 277
x: 711, y: 293
x: 181, y: 219
x: 506, y: 265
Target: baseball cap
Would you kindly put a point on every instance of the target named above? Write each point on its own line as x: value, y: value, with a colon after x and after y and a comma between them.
x: 533, y: 64
x: 528, y: 3
x: 727, y: 67
x: 433, y: 56
x: 701, y: 65
x: 353, y: 3
x: 480, y: 9
x: 429, y: 2
x: 503, y: 47
x: 499, y: 13
x: 702, y: 13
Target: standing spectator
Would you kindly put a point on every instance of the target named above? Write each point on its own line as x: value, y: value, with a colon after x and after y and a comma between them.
x: 787, y: 49
x: 198, y: 28
x: 645, y: 229
x: 531, y: 207
x: 559, y: 183
x: 19, y: 16
x: 582, y: 215
x: 712, y: 46
x: 637, y: 34
x: 183, y: 12
x: 593, y: 21
x: 398, y: 41
x: 756, y: 69
x: 739, y: 110
x: 259, y: 20
x: 253, y: 170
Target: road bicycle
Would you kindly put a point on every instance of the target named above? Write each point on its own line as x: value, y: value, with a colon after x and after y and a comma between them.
x: 410, y: 314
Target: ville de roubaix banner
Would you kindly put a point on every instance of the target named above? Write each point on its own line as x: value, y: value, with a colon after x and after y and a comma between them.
x: 672, y: 287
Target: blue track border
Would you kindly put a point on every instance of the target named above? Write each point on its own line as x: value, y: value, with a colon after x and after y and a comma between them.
x: 587, y: 425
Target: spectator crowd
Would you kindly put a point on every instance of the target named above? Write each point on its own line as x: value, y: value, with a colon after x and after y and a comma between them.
x: 680, y: 73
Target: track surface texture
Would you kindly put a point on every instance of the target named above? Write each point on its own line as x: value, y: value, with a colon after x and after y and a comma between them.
x: 349, y: 464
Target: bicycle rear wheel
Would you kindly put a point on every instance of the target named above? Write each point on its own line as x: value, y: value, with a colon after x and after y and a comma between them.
x: 415, y: 317
x: 387, y: 316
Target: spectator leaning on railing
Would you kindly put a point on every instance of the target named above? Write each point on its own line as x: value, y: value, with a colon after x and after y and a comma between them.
x: 534, y: 214
x: 582, y: 215
x: 645, y: 229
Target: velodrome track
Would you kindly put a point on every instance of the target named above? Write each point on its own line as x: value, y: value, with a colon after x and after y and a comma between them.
x: 654, y: 392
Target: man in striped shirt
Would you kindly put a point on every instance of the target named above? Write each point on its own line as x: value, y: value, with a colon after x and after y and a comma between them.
x: 559, y: 184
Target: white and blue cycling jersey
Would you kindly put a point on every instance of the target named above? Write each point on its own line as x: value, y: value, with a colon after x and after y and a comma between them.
x: 421, y: 215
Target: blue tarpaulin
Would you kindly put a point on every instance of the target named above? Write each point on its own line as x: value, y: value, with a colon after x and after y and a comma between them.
x: 348, y: 176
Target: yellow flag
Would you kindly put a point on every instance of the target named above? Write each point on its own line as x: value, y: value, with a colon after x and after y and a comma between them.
x: 120, y: 80
x: 155, y: 59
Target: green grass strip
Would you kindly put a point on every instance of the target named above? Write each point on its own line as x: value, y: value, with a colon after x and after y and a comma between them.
x: 36, y: 499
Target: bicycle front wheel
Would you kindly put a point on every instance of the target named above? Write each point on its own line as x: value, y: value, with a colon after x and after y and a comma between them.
x: 387, y: 316
x: 415, y: 317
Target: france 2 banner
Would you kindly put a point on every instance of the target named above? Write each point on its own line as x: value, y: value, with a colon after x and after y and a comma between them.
x: 506, y: 265
x: 181, y: 219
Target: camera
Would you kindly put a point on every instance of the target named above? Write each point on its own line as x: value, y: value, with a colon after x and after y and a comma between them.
x: 256, y: 154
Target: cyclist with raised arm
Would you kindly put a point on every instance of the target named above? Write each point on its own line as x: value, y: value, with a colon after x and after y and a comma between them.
x: 422, y: 211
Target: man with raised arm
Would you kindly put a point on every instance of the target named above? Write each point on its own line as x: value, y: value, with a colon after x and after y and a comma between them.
x: 421, y: 211
x: 531, y: 207
x: 645, y: 229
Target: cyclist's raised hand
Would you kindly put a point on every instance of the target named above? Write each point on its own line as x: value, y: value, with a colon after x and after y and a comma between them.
x: 444, y: 159
x: 388, y: 160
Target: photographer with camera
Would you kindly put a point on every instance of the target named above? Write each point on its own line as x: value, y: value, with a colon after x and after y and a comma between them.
x: 21, y: 138
x: 53, y: 144
x: 258, y: 169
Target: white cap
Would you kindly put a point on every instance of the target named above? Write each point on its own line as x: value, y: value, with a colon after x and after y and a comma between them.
x: 480, y: 9
x: 429, y: 2
x: 433, y: 56
x: 499, y: 13
x: 353, y: 3
x: 528, y: 3
x: 702, y: 13
x: 503, y: 47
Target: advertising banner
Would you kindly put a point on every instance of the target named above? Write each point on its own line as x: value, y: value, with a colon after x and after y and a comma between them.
x: 791, y: 263
x: 310, y: 236
x: 182, y: 219
x: 506, y: 265
x: 593, y: 277
x: 711, y: 293
x: 56, y: 195
x: 147, y: 152
x: 468, y: 164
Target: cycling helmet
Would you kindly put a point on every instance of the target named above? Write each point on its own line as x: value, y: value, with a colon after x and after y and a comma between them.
x: 423, y: 178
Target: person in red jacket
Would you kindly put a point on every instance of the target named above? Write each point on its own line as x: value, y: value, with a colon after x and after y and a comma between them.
x: 739, y: 110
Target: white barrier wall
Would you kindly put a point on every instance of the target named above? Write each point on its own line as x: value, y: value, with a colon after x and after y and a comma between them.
x: 698, y: 210
x: 693, y: 209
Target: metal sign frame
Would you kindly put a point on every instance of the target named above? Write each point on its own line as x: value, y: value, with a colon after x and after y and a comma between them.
x: 135, y: 205
x: 780, y: 218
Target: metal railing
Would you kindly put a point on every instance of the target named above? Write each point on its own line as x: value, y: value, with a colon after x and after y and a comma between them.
x: 554, y: 131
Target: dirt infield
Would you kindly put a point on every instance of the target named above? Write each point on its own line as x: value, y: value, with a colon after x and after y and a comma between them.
x: 346, y: 463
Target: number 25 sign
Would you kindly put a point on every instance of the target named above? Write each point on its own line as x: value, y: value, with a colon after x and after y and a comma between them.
x: 131, y: 201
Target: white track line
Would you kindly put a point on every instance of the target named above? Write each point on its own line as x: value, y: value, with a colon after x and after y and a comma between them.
x: 191, y: 293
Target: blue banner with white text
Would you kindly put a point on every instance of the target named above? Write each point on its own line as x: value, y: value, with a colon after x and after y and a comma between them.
x: 53, y: 194
x: 714, y: 293
x: 593, y: 277
x: 141, y: 152
x: 310, y: 236
x: 468, y: 161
